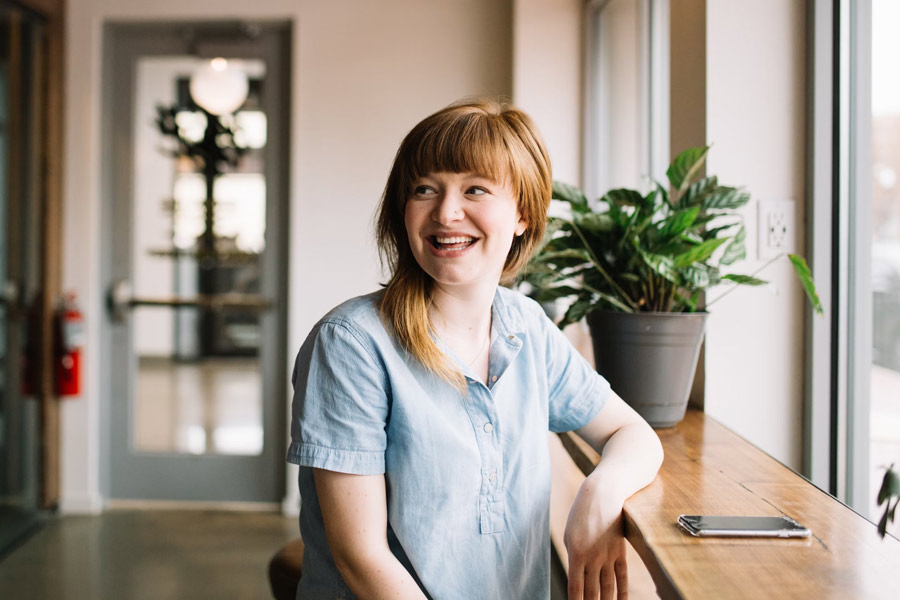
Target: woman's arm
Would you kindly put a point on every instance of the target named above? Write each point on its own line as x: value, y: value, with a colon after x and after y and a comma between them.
x: 594, y: 537
x: 354, y: 509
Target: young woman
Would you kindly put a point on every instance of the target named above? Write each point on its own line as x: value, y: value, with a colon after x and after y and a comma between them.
x: 421, y: 412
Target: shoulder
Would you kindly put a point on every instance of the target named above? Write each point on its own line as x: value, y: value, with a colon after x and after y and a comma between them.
x: 518, y: 310
x: 355, y: 320
x: 361, y: 311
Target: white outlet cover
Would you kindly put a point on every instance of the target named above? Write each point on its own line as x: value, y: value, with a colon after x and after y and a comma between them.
x: 776, y: 230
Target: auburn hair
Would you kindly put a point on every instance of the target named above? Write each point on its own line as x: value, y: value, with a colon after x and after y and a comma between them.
x: 481, y: 136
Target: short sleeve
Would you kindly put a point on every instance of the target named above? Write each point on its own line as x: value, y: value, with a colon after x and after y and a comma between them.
x: 577, y: 392
x: 341, y: 402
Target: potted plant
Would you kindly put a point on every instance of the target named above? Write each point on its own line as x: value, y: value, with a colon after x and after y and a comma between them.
x: 635, y: 265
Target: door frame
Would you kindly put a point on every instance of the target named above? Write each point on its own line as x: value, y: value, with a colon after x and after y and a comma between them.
x: 125, y: 41
x: 50, y: 259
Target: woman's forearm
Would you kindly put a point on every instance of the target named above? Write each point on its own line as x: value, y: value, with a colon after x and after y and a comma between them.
x: 378, y: 577
x: 630, y: 460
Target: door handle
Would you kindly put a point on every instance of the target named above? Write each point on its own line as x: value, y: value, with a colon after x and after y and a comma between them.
x: 120, y: 299
x: 9, y: 294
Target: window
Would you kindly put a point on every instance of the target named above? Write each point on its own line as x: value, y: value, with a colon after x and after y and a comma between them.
x: 627, y: 94
x: 854, y: 232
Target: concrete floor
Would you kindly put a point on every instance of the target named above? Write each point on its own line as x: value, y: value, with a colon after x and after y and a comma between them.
x: 138, y: 555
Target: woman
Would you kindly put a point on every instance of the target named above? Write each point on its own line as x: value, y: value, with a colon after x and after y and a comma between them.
x: 421, y: 412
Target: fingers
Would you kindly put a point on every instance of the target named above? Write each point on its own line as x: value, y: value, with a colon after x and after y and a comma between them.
x: 576, y: 583
x: 592, y: 582
x: 603, y: 582
x: 621, y: 568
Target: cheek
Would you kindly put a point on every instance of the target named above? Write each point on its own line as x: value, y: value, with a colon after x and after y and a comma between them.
x: 409, y: 221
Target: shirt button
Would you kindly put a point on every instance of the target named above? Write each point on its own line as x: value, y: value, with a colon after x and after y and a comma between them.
x: 492, y: 477
x: 494, y: 378
x: 512, y: 337
x: 488, y: 428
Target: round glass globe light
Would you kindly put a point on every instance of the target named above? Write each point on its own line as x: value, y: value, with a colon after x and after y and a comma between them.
x: 218, y: 88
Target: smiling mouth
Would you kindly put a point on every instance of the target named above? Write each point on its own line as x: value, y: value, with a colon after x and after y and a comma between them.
x: 451, y: 243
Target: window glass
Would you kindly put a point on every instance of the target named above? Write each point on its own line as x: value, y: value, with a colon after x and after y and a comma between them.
x: 885, y: 372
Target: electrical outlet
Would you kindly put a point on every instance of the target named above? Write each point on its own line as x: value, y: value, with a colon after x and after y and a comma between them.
x: 776, y: 232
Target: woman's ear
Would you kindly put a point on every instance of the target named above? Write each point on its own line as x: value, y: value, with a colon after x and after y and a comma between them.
x: 521, y: 226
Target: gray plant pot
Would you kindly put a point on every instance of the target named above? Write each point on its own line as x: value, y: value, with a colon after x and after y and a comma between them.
x: 649, y: 359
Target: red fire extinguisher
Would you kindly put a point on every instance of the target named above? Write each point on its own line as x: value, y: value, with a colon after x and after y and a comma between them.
x: 70, y: 340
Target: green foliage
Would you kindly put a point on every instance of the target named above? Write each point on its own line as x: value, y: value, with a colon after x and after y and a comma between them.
x: 656, y: 252
x: 890, y: 491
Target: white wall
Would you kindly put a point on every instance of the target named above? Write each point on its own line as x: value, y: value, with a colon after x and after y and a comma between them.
x: 755, y: 121
x: 364, y: 73
x: 547, y: 64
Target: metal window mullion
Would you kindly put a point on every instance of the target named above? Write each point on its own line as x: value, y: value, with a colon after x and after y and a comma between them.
x: 592, y: 156
x: 859, y: 340
x: 819, y: 457
x: 659, y: 89
x: 841, y: 228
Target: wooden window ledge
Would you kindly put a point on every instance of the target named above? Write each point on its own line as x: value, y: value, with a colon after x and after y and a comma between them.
x: 710, y: 470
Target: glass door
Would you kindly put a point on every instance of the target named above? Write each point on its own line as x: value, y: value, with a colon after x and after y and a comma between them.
x: 197, y: 247
x: 21, y: 78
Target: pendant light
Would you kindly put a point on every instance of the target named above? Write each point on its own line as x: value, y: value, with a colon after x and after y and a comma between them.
x: 218, y: 87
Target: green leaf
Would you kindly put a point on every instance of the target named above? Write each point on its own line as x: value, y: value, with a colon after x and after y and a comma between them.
x: 692, y: 238
x: 882, y: 523
x: 685, y: 167
x: 653, y: 200
x: 735, y: 250
x: 696, y: 277
x: 809, y: 286
x: 744, y: 279
x: 679, y: 222
x: 890, y: 486
x: 549, y: 294
x: 699, y: 191
x: 576, y: 312
x: 661, y: 265
x: 569, y: 193
x: 698, y: 253
x: 596, y: 222
x: 726, y: 198
x: 714, y: 232
x: 571, y: 253
x: 623, y: 197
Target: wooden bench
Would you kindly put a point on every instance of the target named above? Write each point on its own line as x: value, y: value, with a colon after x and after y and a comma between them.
x: 708, y: 469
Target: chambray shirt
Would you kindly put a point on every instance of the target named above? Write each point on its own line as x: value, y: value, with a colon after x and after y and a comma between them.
x: 467, y: 475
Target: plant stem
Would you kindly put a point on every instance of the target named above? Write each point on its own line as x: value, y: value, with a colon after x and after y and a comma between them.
x: 735, y: 285
x: 602, y: 271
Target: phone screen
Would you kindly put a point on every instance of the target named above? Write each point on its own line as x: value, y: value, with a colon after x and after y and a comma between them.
x: 742, y: 526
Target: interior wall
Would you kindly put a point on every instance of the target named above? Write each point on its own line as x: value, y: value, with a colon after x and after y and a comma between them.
x: 547, y: 69
x: 364, y: 74
x: 755, y: 63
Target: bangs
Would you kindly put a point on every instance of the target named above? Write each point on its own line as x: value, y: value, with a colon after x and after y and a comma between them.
x: 472, y: 142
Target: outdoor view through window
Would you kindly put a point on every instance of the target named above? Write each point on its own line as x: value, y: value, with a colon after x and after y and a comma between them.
x: 885, y: 376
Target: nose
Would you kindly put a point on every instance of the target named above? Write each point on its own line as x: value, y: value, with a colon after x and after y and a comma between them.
x: 448, y: 208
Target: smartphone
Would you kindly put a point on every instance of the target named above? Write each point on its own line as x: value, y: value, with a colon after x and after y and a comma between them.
x: 739, y: 526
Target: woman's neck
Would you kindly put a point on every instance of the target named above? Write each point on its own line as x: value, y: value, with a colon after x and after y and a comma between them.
x: 460, y: 312
x: 462, y: 319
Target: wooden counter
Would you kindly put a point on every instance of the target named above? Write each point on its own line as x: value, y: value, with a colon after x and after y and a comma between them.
x: 710, y: 470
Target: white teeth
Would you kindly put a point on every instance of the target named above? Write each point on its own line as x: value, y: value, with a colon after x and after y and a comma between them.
x: 453, y: 240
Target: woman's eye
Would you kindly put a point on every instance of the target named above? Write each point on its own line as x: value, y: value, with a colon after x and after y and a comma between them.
x: 421, y: 190
x: 476, y: 190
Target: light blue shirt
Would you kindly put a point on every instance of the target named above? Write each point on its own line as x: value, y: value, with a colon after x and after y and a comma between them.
x: 467, y: 475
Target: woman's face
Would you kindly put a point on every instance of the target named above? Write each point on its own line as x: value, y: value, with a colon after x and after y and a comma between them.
x: 461, y: 226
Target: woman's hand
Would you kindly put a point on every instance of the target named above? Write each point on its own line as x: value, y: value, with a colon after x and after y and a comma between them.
x: 594, y: 534
x: 595, y: 543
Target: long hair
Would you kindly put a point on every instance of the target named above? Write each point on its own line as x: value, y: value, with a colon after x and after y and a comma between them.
x: 476, y: 136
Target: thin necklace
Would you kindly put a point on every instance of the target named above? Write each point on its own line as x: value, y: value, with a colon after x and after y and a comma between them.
x: 481, y: 350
